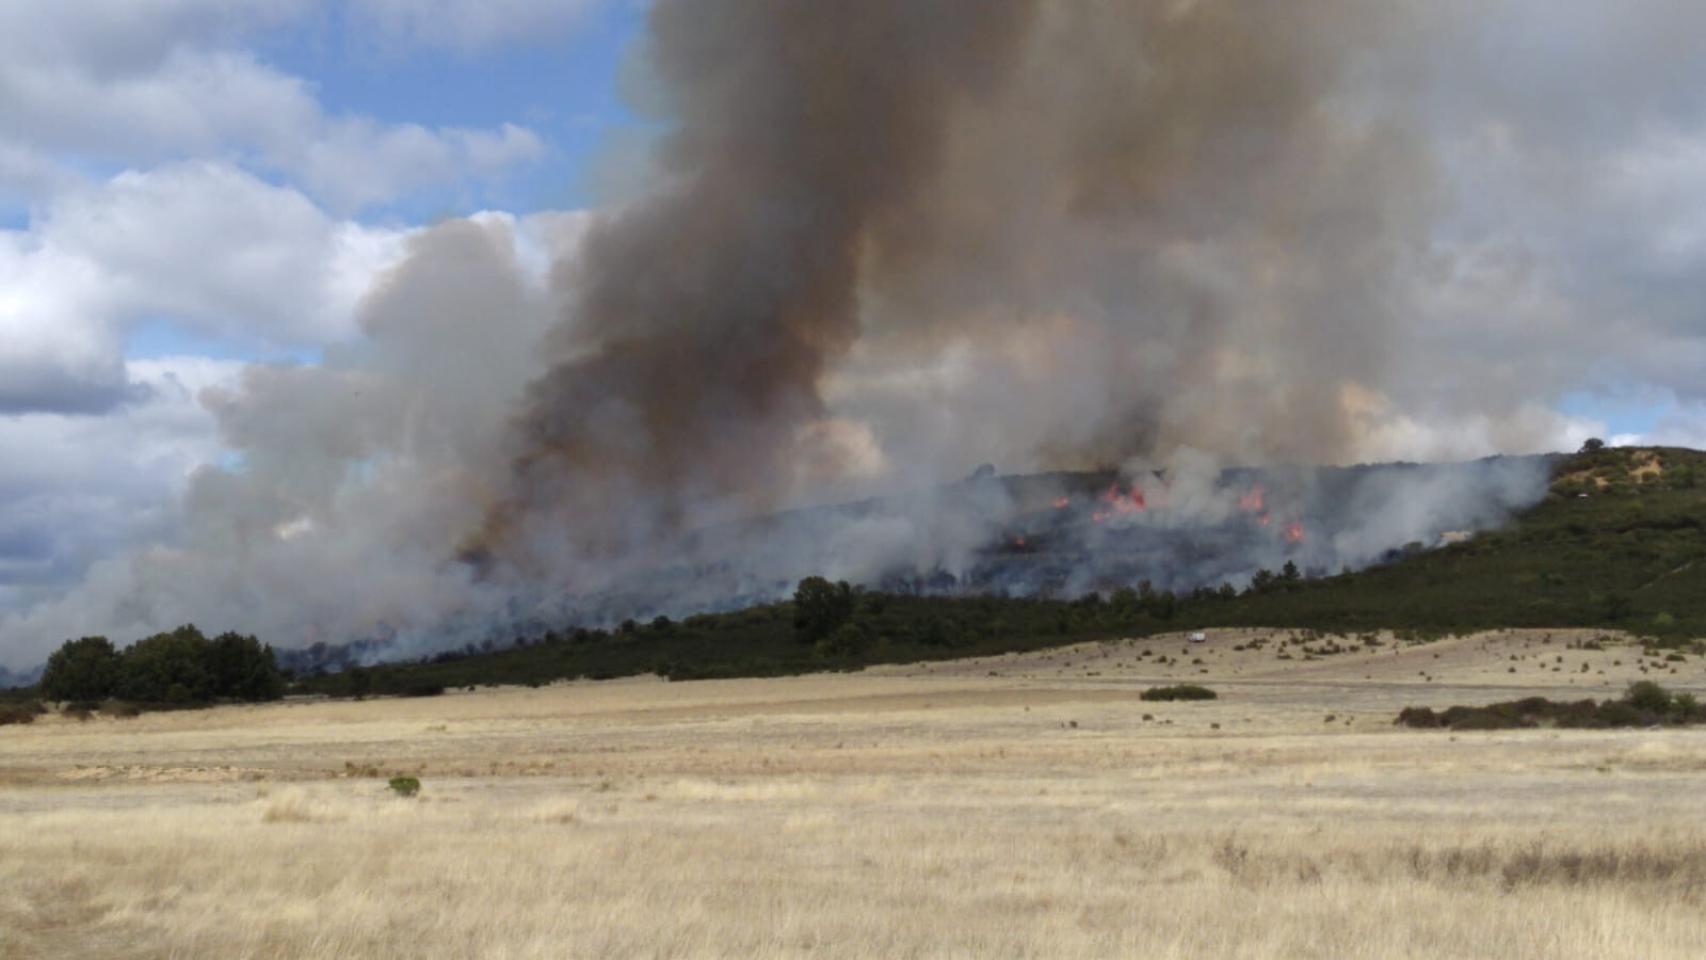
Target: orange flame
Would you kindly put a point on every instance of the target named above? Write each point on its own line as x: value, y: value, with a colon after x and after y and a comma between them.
x: 1125, y: 503
x: 1294, y: 532
x: 1253, y: 500
x: 1060, y: 503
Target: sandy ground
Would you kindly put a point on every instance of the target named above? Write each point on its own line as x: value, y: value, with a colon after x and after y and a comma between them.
x: 1025, y: 806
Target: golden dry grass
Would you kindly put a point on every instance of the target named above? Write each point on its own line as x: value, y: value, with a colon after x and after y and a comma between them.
x: 906, y: 812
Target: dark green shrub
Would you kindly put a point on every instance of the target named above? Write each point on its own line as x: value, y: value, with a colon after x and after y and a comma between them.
x: 1648, y: 696
x: 83, y: 669
x: 243, y: 668
x: 847, y: 640
x: 405, y: 786
x: 1487, y: 719
x: 1638, y: 708
x: 1184, y: 691
x: 820, y: 607
x: 1422, y: 717
x: 1616, y: 713
x: 166, y: 668
x: 1688, y: 709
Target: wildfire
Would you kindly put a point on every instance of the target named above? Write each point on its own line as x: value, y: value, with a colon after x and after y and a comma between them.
x: 1294, y: 532
x: 1060, y: 503
x: 1124, y: 503
x: 1254, y: 500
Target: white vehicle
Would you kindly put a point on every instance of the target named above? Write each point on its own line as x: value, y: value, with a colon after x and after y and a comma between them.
x: 1199, y: 637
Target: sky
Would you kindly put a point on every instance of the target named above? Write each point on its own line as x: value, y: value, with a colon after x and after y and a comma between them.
x: 191, y: 188
x: 187, y: 186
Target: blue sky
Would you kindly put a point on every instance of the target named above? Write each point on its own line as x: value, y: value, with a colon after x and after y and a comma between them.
x: 188, y: 187
x: 565, y: 87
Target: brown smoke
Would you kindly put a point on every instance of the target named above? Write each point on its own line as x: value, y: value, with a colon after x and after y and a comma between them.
x: 706, y: 316
x: 1182, y: 189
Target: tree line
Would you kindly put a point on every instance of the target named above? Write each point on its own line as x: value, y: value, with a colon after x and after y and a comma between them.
x: 182, y: 667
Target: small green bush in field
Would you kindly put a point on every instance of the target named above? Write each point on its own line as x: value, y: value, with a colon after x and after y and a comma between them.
x: 1185, y: 691
x: 405, y: 786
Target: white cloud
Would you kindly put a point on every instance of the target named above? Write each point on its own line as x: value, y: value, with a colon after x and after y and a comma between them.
x: 215, y: 249
x: 358, y: 162
x: 160, y: 80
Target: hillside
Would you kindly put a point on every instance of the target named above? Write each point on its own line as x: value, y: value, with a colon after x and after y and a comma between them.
x: 1618, y: 543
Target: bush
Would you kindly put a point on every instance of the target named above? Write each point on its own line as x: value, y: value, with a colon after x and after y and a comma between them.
x: 1184, y: 691
x: 847, y: 640
x: 405, y: 786
x: 1422, y: 717
x: 18, y: 713
x: 1649, y: 696
x: 820, y: 607
x: 1646, y: 704
x: 85, y: 669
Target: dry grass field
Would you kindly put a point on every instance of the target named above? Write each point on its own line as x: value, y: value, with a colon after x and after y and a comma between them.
x: 1026, y: 806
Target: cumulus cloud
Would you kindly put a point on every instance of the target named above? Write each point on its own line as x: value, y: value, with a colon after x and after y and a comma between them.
x: 143, y: 83
x: 220, y: 251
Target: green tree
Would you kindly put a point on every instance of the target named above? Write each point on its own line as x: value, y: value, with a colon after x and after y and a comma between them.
x: 242, y: 668
x: 359, y: 682
x: 1124, y: 603
x: 1162, y: 605
x: 846, y: 641
x: 83, y: 669
x: 167, y: 668
x: 820, y: 607
x: 1649, y: 696
x: 1618, y: 606
x: 1593, y: 445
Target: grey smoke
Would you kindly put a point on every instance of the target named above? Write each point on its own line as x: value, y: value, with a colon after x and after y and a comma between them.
x: 885, y: 242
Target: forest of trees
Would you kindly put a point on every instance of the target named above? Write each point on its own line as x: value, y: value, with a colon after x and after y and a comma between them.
x: 179, y: 668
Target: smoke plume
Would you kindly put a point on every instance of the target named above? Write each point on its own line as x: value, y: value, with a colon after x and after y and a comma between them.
x: 881, y: 244
x: 1126, y: 227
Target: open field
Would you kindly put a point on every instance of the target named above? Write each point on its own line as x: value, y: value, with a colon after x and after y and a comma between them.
x: 1021, y: 806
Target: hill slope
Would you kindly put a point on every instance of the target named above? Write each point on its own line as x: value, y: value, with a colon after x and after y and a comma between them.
x: 1619, y: 542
